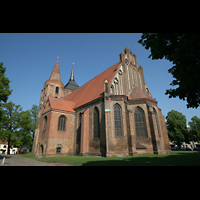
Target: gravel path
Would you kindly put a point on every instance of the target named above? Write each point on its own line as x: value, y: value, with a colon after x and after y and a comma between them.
x: 18, y: 160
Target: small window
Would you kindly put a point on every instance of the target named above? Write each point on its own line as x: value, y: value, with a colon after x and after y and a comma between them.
x: 59, y: 148
x: 57, y: 90
x: 61, y: 123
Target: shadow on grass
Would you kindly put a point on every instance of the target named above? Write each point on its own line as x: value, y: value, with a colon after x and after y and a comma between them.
x: 174, y: 159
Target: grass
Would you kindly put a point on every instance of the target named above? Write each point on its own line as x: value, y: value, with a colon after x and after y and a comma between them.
x: 177, y: 158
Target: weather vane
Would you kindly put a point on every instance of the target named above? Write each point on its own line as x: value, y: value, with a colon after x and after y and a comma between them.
x: 57, y: 57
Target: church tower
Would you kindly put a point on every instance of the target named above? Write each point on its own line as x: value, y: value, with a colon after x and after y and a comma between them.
x: 52, y: 87
x: 71, y: 85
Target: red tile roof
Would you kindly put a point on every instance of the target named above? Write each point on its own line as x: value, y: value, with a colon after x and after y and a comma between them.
x: 137, y: 93
x: 92, y: 89
x: 61, y: 104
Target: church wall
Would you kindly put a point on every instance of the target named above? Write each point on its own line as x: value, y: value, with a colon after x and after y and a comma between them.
x: 93, y: 146
x: 117, y: 144
x: 147, y: 142
x: 63, y: 137
x: 43, y: 134
x: 166, y: 145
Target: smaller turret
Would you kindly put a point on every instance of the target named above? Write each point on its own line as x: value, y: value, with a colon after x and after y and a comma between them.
x: 71, y: 85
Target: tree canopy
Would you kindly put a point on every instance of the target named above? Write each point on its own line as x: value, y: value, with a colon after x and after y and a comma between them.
x: 16, y: 126
x: 183, y: 50
x: 195, y: 129
x: 176, y: 126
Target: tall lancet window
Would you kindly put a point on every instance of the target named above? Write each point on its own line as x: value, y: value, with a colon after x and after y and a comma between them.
x: 62, y: 123
x: 96, y: 127
x: 118, y: 119
x: 140, y: 124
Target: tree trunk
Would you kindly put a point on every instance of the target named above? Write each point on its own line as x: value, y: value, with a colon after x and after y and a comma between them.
x: 8, y: 150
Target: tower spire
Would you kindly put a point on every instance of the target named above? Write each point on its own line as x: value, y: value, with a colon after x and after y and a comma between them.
x: 72, y: 85
x: 55, y: 75
x: 72, y: 73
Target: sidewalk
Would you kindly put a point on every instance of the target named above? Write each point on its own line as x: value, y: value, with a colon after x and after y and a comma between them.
x: 18, y: 160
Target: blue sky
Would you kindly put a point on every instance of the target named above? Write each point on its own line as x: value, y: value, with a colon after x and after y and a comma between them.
x: 29, y: 59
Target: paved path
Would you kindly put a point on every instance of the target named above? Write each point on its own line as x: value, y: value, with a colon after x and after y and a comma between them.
x: 18, y: 160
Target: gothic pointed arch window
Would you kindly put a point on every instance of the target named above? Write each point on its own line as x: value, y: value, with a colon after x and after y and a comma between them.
x: 62, y: 123
x: 96, y: 127
x: 118, y: 119
x: 140, y: 124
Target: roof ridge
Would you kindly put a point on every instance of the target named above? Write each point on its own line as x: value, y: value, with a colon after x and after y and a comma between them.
x: 94, y: 87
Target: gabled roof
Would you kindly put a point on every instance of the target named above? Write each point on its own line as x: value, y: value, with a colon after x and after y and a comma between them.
x: 93, y: 89
x: 136, y: 93
x: 61, y: 104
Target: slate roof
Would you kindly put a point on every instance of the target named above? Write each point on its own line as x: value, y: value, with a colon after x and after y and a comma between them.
x: 72, y: 85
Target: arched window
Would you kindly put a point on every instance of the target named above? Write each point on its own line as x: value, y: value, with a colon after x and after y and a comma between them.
x: 59, y: 148
x: 45, y: 123
x: 57, y: 90
x: 140, y: 125
x: 118, y: 119
x: 96, y: 127
x: 61, y: 123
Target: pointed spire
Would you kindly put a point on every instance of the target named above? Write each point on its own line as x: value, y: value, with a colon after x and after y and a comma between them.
x: 72, y: 73
x: 55, y: 75
x: 72, y: 85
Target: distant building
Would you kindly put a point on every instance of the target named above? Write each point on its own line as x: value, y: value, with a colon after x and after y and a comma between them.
x: 4, y: 148
x: 112, y: 114
x: 184, y: 145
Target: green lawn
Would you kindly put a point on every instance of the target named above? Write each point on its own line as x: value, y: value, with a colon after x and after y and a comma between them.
x: 177, y: 158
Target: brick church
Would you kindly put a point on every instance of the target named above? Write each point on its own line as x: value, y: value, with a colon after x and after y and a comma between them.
x: 112, y: 114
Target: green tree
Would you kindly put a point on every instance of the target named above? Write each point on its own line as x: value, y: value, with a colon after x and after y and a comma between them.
x: 183, y: 50
x: 176, y: 126
x: 195, y: 129
x: 25, y: 130
x: 10, y: 123
x: 34, y: 113
x: 4, y: 87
